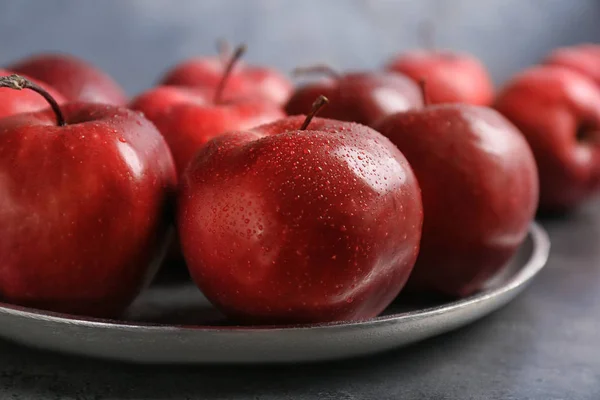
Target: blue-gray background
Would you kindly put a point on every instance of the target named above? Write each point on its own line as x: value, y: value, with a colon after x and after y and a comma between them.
x: 136, y: 40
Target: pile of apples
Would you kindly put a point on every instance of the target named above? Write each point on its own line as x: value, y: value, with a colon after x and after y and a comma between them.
x: 418, y: 177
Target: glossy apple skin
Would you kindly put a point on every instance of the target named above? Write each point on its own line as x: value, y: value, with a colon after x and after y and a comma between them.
x: 480, y: 192
x: 280, y: 226
x: 552, y: 106
x: 20, y: 101
x: 188, y: 118
x: 159, y: 100
x: 584, y: 58
x: 76, y: 79
x: 84, y: 208
x: 451, y: 77
x: 244, y: 81
x: 361, y: 97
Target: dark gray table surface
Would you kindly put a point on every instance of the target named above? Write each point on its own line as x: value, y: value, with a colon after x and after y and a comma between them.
x: 544, y: 345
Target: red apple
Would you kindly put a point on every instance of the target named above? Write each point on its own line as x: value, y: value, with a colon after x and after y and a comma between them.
x: 156, y: 102
x: 584, y: 58
x: 190, y: 117
x: 299, y: 221
x: 452, y: 77
x: 245, y: 80
x: 558, y: 111
x: 362, y: 97
x: 480, y: 191
x: 85, y: 190
x: 74, y: 78
x: 15, y: 102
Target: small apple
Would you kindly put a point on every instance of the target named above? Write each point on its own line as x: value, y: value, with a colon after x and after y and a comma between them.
x: 15, y: 102
x: 74, y: 78
x: 480, y: 192
x: 245, y: 80
x: 156, y: 102
x: 299, y: 221
x: 451, y: 76
x: 84, y: 207
x: 558, y: 111
x: 583, y: 58
x: 190, y: 117
x: 362, y: 97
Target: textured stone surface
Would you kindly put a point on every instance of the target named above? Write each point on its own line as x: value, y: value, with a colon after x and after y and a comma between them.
x: 545, y: 345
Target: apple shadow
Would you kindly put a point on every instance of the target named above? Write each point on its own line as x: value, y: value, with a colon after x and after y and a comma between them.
x: 553, y: 215
x: 175, y: 302
x: 172, y: 273
x: 565, y: 214
x: 411, y: 300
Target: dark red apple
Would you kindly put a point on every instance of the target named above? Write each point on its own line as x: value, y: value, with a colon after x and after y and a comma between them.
x: 245, y: 81
x: 452, y: 77
x: 480, y: 192
x: 15, y: 102
x: 190, y: 117
x: 362, y: 97
x: 558, y: 111
x: 583, y: 58
x: 74, y: 78
x: 300, y: 222
x: 84, y: 206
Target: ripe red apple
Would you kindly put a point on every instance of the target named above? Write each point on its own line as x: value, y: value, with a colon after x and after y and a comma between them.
x: 74, y: 78
x: 190, y: 117
x: 583, y: 58
x: 245, y: 80
x: 299, y: 221
x: 362, y: 97
x: 85, y: 190
x: 480, y: 192
x: 15, y: 102
x: 155, y: 102
x: 452, y: 77
x: 558, y: 111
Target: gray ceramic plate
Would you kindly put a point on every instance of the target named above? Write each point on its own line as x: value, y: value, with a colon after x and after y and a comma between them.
x: 173, y: 323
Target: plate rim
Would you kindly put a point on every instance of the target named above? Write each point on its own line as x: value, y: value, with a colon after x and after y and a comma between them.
x: 535, y: 263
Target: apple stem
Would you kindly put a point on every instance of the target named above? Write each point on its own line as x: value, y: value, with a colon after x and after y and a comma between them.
x: 423, y: 86
x: 17, y: 82
x: 316, y: 107
x: 317, y: 69
x: 239, y: 52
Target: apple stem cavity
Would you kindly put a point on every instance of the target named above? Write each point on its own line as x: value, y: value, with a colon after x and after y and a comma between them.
x: 17, y: 82
x: 423, y: 86
x: 319, y: 103
x: 317, y: 69
x: 239, y: 52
